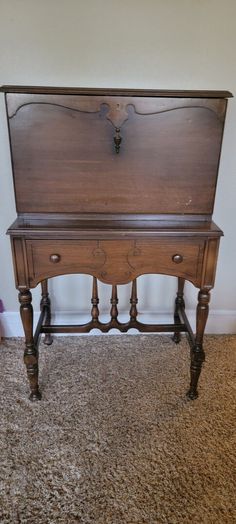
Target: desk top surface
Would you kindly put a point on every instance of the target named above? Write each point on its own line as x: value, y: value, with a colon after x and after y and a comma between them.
x: 117, y: 91
x: 58, y: 227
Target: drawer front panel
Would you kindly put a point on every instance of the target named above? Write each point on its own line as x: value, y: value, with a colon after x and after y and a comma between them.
x: 115, y: 261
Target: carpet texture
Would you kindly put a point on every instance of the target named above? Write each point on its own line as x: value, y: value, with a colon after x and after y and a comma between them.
x: 115, y: 440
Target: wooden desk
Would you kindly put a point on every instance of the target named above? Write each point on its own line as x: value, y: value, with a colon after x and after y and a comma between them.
x: 114, y: 184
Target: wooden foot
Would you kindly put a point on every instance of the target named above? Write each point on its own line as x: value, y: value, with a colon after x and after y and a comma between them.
x: 197, y: 353
x: 35, y: 397
x: 45, y: 302
x: 31, y: 353
x: 179, y: 301
x: 197, y: 358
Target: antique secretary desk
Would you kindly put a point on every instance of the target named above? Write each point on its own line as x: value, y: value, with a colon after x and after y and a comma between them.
x: 114, y: 183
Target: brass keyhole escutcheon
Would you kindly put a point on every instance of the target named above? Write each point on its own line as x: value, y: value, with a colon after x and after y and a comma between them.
x: 117, y: 140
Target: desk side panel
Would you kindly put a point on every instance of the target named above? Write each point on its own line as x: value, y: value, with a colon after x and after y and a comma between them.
x: 20, y: 263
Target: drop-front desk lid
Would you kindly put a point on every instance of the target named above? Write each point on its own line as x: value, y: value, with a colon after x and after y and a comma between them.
x: 118, y: 152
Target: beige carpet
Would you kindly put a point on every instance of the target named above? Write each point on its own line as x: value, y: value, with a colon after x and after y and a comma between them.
x: 114, y: 440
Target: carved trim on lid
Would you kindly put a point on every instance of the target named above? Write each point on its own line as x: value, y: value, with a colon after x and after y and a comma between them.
x: 117, y: 107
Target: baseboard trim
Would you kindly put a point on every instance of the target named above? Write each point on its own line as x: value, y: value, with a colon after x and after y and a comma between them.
x: 219, y: 321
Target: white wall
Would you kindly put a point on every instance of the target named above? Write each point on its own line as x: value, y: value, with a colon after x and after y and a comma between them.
x: 131, y: 43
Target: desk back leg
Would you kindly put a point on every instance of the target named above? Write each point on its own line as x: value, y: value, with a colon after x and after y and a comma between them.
x: 179, y: 301
x: 31, y: 353
x: 46, y: 303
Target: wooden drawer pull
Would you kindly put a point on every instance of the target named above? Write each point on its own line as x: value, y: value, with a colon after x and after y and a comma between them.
x: 55, y: 258
x: 177, y: 259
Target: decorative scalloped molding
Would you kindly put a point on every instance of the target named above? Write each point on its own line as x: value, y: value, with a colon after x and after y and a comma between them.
x: 117, y: 107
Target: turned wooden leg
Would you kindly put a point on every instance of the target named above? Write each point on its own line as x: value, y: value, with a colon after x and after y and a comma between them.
x: 95, y: 301
x: 45, y: 302
x: 179, y: 301
x: 133, y: 302
x: 30, y: 354
x: 197, y: 352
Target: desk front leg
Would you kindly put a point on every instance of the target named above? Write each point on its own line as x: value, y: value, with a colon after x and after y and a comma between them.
x: 31, y: 352
x: 207, y: 283
x: 197, y: 351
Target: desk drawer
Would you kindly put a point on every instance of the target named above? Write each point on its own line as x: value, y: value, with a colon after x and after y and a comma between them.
x: 115, y: 261
x: 55, y: 257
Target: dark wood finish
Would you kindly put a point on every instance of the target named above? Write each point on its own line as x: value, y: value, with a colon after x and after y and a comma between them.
x: 113, y: 261
x: 46, y: 90
x: 188, y: 329
x: 133, y: 302
x: 75, y: 137
x: 95, y: 302
x: 45, y: 304
x: 114, y: 183
x: 114, y: 324
x: 31, y: 353
x: 114, y: 302
x: 179, y: 302
x: 197, y: 353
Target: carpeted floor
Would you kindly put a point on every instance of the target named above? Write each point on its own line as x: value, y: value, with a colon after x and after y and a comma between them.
x: 114, y: 440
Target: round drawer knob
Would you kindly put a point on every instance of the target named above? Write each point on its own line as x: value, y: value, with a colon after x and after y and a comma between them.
x: 55, y: 258
x: 177, y: 259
